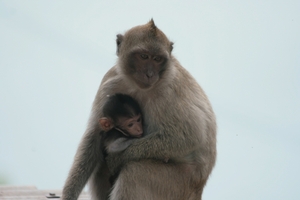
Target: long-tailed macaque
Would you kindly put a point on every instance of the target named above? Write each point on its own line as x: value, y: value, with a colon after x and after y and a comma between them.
x: 180, y: 125
x: 122, y: 123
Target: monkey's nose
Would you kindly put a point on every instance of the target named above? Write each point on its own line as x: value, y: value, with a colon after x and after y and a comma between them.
x: 140, y: 131
x: 149, y: 74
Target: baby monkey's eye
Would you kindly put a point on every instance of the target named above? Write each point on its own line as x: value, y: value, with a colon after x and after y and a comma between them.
x: 130, y: 125
x: 139, y: 119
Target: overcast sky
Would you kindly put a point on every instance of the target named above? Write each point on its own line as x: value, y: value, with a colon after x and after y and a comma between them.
x: 245, y: 55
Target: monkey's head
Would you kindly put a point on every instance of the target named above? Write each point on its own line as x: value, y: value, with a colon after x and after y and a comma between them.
x: 123, y: 113
x: 144, y: 53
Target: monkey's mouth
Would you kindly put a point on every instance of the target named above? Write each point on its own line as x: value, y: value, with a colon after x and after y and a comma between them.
x: 140, y: 135
x: 144, y: 81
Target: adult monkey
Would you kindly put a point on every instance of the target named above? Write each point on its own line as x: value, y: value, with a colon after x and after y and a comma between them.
x: 180, y: 125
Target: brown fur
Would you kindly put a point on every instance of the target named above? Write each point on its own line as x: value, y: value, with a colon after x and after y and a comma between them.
x: 180, y: 125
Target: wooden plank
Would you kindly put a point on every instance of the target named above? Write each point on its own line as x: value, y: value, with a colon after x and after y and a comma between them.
x: 37, y: 198
x: 11, y: 187
x: 32, y: 193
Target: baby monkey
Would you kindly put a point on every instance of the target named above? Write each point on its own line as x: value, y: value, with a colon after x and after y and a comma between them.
x: 122, y: 122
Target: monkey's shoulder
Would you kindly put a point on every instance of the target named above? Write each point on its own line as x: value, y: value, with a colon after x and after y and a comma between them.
x: 110, y: 73
x: 113, y: 82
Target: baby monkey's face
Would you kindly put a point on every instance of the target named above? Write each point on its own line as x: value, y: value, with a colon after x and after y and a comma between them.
x: 133, y: 126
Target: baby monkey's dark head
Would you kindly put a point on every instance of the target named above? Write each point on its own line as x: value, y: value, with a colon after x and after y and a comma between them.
x: 122, y: 112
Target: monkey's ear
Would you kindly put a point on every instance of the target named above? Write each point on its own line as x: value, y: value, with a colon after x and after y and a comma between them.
x: 152, y: 24
x: 119, y: 41
x: 171, y: 46
x: 106, y: 124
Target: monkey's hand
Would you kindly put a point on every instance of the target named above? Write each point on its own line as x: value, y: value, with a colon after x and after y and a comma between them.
x: 118, y: 145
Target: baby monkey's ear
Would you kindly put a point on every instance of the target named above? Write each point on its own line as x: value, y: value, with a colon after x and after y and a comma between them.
x: 106, y: 123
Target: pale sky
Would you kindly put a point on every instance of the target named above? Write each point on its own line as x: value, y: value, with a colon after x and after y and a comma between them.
x: 245, y: 55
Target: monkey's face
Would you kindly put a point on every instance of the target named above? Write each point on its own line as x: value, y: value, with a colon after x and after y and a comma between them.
x: 146, y: 68
x: 133, y: 126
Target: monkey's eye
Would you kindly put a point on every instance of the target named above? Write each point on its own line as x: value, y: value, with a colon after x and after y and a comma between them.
x: 139, y: 119
x: 130, y: 125
x: 157, y: 58
x: 144, y: 56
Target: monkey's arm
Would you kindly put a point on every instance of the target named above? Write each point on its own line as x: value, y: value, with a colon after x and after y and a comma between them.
x: 86, y: 158
x: 167, y: 143
x: 89, y: 153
